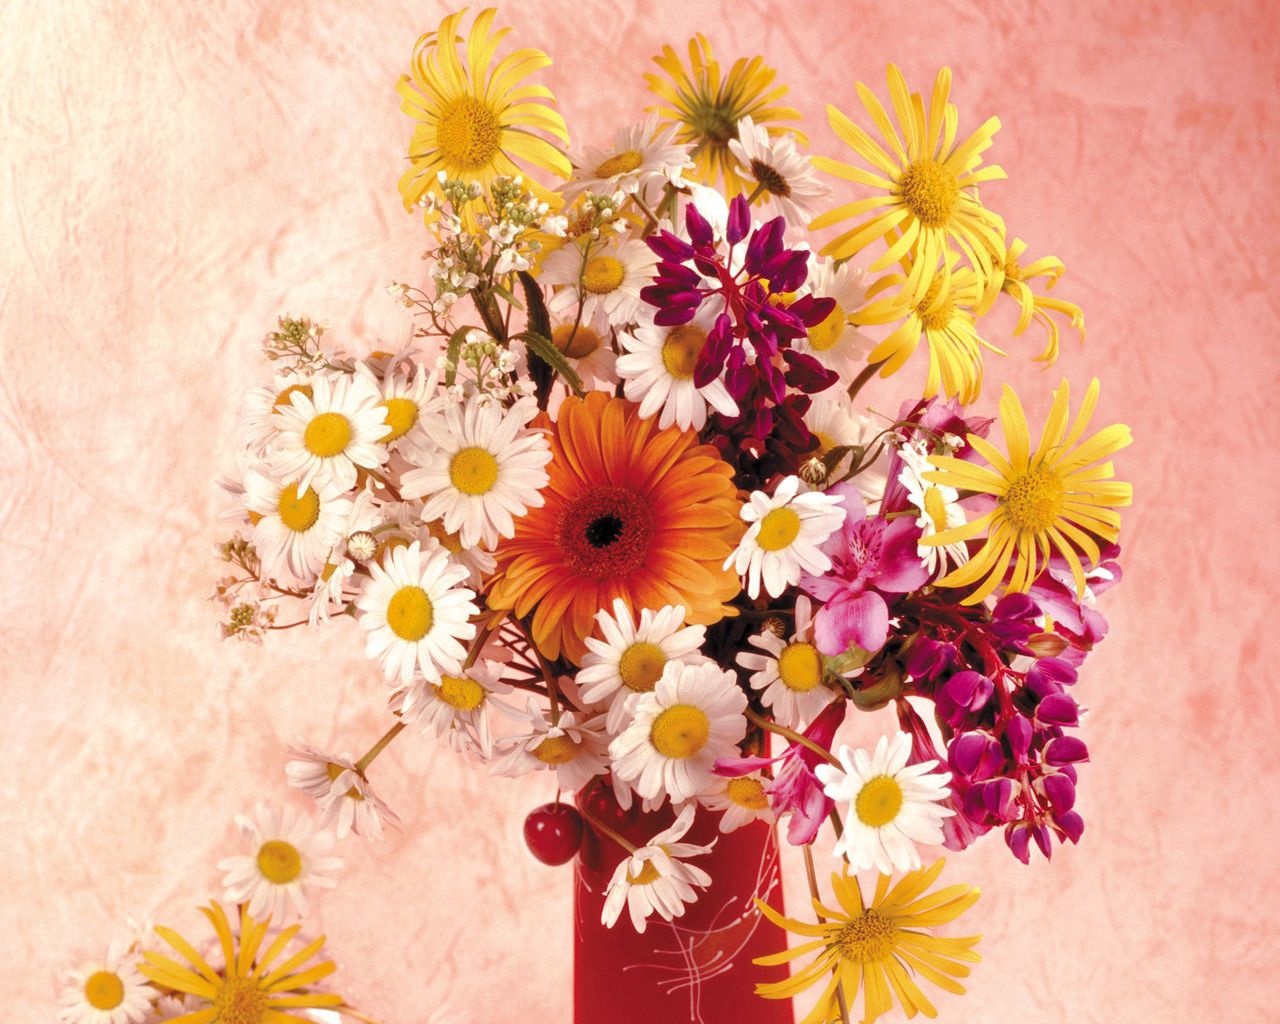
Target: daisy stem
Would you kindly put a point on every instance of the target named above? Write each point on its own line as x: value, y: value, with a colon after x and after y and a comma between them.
x: 482, y: 637
x: 653, y: 220
x: 605, y: 830
x: 553, y: 691
x: 790, y: 734
x: 379, y: 747
x: 813, y: 891
x: 867, y: 373
x: 756, y: 193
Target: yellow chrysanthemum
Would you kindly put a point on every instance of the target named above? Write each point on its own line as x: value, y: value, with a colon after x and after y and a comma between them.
x: 250, y: 988
x: 706, y: 109
x: 878, y: 949
x: 926, y: 183
x: 475, y: 121
x: 1058, y: 497
x: 1015, y: 281
x: 944, y: 317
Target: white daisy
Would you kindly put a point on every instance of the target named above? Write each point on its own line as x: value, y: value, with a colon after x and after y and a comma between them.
x: 628, y: 659
x: 939, y: 508
x: 658, y: 370
x: 342, y: 794
x: 589, y: 348
x: 456, y: 707
x: 655, y: 877
x: 259, y: 417
x: 835, y: 421
x: 787, y: 181
x: 836, y: 343
x: 406, y: 399
x: 693, y: 717
x: 324, y: 436
x: 294, y: 527
x: 417, y: 613
x: 782, y: 542
x: 486, y: 468
x: 335, y: 581
x: 286, y: 857
x: 106, y: 991
x: 575, y: 748
x: 478, y: 562
x: 165, y: 1009
x: 892, y: 806
x: 739, y: 800
x: 790, y: 673
x: 610, y: 278
x: 642, y: 155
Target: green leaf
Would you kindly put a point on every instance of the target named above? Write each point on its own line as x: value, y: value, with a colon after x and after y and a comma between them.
x: 542, y: 347
x: 454, y: 351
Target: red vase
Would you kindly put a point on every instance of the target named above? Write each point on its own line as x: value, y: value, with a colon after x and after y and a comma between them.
x: 696, y: 969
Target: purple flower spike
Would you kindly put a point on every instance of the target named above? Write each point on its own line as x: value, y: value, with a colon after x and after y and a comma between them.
x: 1065, y: 750
x: 1042, y: 836
x: 1061, y: 792
x: 1072, y: 825
x: 1018, y: 733
x: 739, y: 220
x: 1018, y: 839
x: 1058, y: 709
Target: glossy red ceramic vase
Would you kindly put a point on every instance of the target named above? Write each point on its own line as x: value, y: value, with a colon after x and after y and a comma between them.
x: 696, y: 969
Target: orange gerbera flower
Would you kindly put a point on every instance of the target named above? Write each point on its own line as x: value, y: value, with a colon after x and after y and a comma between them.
x: 631, y: 511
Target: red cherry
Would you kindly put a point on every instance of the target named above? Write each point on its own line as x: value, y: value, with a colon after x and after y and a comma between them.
x: 553, y: 833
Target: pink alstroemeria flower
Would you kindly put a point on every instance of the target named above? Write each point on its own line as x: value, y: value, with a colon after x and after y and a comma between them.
x: 870, y: 559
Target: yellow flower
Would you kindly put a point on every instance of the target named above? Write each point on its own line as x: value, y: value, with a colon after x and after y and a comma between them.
x: 944, y: 317
x: 1015, y: 282
x: 706, y: 109
x: 924, y: 179
x: 878, y: 948
x: 1058, y: 497
x: 476, y: 121
x: 248, y: 989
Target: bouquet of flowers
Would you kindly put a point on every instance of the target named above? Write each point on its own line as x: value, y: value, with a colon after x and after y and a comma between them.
x: 619, y: 509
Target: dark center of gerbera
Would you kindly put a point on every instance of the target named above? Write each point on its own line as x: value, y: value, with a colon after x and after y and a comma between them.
x: 605, y: 533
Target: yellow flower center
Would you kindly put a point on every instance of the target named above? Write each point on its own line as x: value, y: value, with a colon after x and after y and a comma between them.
x: 938, y: 317
x: 460, y: 692
x: 1034, y: 500
x: 451, y: 542
x: 619, y: 163
x: 930, y: 191
x: 384, y: 549
x: 680, y: 350
x: 778, y: 529
x: 800, y: 667
x: 680, y: 731
x: 103, y: 990
x: 935, y: 507
x: 825, y: 442
x: 556, y: 750
x: 878, y: 801
x: 279, y: 862
x: 410, y: 613
x: 240, y: 1001
x: 824, y: 336
x: 402, y: 414
x: 602, y: 274
x: 473, y: 471
x: 868, y: 938
x: 648, y: 875
x: 327, y: 435
x: 298, y: 512
x: 747, y: 793
x: 770, y: 178
x: 641, y: 666
x: 468, y: 133
x: 286, y: 396
x: 575, y: 344
x: 1012, y: 269
x: 333, y: 771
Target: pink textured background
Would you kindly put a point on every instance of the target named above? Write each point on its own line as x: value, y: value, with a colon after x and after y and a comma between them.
x: 176, y: 174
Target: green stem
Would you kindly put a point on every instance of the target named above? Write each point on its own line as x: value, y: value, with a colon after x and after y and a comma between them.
x: 379, y: 747
x: 790, y: 734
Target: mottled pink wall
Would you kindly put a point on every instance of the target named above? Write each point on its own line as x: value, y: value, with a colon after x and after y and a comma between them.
x: 175, y: 174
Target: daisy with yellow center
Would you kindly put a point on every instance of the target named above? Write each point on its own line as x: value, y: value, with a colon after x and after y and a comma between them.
x: 605, y: 279
x: 836, y: 342
x: 295, y: 528
x: 406, y: 400
x: 335, y: 583
x: 476, y: 120
x: 945, y: 318
x: 417, y: 613
x: 892, y: 806
x: 456, y: 707
x: 345, y: 799
x: 629, y: 658
x: 480, y: 467
x: 589, y: 348
x: 938, y: 505
x: 643, y: 156
x: 258, y: 420
x: 784, y: 537
x: 926, y: 185
x: 739, y: 801
x: 254, y: 985
x: 1016, y: 282
x: 574, y: 746
x: 658, y: 371
x: 106, y: 991
x: 325, y: 435
x: 785, y: 182
x: 692, y: 717
x: 879, y: 949
x: 1059, y: 497
x: 790, y: 673
x: 836, y: 422
x: 705, y: 107
x: 656, y: 879
x: 286, y: 857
